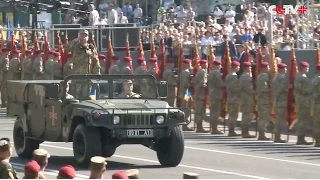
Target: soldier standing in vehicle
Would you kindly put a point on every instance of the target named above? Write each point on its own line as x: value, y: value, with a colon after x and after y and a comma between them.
x: 280, y: 95
x: 184, y: 85
x: 38, y: 66
x: 41, y: 156
x: 6, y: 169
x: 264, y: 102
x: 97, y: 167
x: 114, y: 68
x: 247, y: 92
x: 127, y: 66
x: 316, y: 105
x: 233, y: 100
x: 3, y: 79
x: 200, y: 95
x: 171, y: 78
x: 14, y: 66
x: 68, y: 66
x: 215, y: 84
x: 139, y: 70
x: 49, y: 68
x: 302, y: 93
x: 32, y: 170
x: 102, y: 60
x: 26, y: 67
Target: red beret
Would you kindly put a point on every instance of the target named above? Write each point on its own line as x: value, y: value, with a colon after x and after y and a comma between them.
x: 264, y: 64
x: 153, y: 60
x: 187, y: 61
x: 318, y: 66
x: 101, y: 56
x: 235, y: 63
x: 56, y: 54
x: 216, y: 62
x: 120, y: 175
x: 141, y: 59
x: 67, y: 172
x: 4, y: 49
x: 282, y: 65
x: 32, y: 167
x: 37, y: 52
x: 247, y: 64
x: 127, y: 59
x: 16, y: 51
x: 203, y: 61
x: 69, y: 54
x: 115, y: 58
x: 170, y: 60
x: 28, y: 51
x: 304, y: 64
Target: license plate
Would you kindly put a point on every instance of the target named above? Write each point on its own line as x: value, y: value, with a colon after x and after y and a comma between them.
x: 140, y: 133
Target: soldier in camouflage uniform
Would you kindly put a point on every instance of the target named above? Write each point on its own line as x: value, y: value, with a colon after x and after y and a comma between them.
x: 115, y: 69
x: 146, y: 86
x: 68, y: 66
x: 49, y: 67
x: 4, y: 55
x: 233, y: 101
x: 6, y: 169
x: 14, y: 66
x: 97, y: 167
x: 247, y: 92
x: 302, y: 93
x: 184, y: 85
x: 280, y: 94
x: 263, y: 89
x: 57, y: 67
x: 127, y: 66
x: 85, y: 61
x: 152, y: 67
x: 31, y: 170
x: 215, y: 84
x: 37, y: 66
x: 102, y: 60
x: 26, y: 67
x: 171, y: 78
x: 316, y: 105
x: 3, y: 78
x: 139, y: 70
x: 41, y: 156
x: 200, y: 95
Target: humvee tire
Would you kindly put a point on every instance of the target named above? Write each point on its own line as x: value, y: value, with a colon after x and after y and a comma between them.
x: 108, y: 152
x: 24, y: 146
x: 170, y: 150
x: 86, y: 144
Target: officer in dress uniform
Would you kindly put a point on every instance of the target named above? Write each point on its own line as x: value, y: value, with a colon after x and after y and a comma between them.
x: 26, y: 67
x: 215, y: 84
x: 302, y: 93
x: 114, y: 68
x: 316, y: 105
x: 38, y: 66
x: 31, y: 170
x: 49, y: 67
x: 132, y: 173
x: 4, y: 77
x: 66, y: 172
x: 127, y: 65
x: 6, y: 169
x: 102, y: 59
x: 171, y: 78
x: 233, y: 91
x: 41, y: 156
x: 68, y: 66
x: 97, y: 167
x: 14, y: 66
x: 139, y: 70
x: 57, y: 69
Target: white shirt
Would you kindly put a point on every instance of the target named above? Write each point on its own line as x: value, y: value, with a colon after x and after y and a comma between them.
x: 206, y: 41
x: 122, y: 20
x: 228, y: 13
x: 112, y: 17
x: 218, y: 14
x: 103, y: 21
x: 229, y: 28
x: 137, y: 13
x: 94, y: 18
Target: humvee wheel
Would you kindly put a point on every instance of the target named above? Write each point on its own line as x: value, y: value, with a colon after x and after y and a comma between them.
x: 24, y: 146
x: 170, y: 150
x: 108, y: 152
x: 86, y: 144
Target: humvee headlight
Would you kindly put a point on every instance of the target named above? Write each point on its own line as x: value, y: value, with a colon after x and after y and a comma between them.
x: 160, y: 119
x: 116, y: 119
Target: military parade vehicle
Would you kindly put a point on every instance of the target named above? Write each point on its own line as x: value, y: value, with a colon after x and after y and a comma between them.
x: 44, y: 111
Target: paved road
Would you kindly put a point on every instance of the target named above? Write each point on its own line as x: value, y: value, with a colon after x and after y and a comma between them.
x: 210, y: 156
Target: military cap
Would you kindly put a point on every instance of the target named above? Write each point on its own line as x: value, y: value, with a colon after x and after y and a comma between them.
x: 170, y: 60
x: 187, y: 61
x: 246, y: 64
x: 264, y: 64
x: 4, y: 145
x: 215, y: 62
x: 32, y: 167
x: 153, y: 60
x: 98, y: 163
x: 140, y: 59
x: 4, y: 49
x: 120, y: 175
x: 37, y: 52
x: 115, y: 58
x: 127, y: 59
x: 83, y: 31
x: 67, y: 172
x: 203, y: 61
x: 235, y: 63
x: 40, y: 155
x: 28, y: 51
x: 101, y: 56
x: 282, y: 65
x: 133, y: 173
x: 304, y: 64
x: 318, y: 66
x: 69, y: 54
x: 56, y: 54
x: 188, y: 175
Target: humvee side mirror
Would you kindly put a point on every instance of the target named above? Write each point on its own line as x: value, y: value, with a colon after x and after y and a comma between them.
x: 52, y: 91
x: 163, y: 89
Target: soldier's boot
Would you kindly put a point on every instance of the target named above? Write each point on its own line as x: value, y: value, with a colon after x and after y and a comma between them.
x: 277, y: 138
x: 232, y: 133
x: 214, y: 129
x: 186, y: 128
x: 3, y: 104
x: 262, y: 136
x: 200, y: 128
x: 302, y: 141
x: 245, y: 133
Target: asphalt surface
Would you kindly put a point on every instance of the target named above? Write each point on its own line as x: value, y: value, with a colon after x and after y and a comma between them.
x: 211, y: 156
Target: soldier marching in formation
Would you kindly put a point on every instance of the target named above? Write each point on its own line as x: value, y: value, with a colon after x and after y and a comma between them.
x: 171, y: 78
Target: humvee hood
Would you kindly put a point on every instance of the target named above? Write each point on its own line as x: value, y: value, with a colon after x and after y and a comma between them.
x: 123, y: 106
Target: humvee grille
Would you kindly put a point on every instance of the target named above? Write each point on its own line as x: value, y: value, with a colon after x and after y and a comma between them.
x: 138, y: 119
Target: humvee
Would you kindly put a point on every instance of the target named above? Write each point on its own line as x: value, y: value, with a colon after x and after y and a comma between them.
x: 95, y: 126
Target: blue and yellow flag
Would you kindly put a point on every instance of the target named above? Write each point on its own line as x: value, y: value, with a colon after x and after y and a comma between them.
x: 93, y: 94
x: 187, y: 95
x: 9, y: 29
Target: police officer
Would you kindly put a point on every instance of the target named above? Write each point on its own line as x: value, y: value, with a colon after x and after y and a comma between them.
x: 97, y: 167
x: 41, y: 156
x: 6, y: 169
x: 132, y: 173
x: 127, y: 66
x: 32, y: 170
x: 114, y: 68
x: 66, y: 172
x: 171, y: 78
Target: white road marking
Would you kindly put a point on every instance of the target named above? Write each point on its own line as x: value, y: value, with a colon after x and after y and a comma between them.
x: 184, y: 166
x: 47, y: 171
